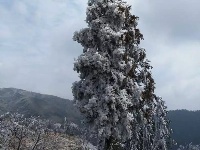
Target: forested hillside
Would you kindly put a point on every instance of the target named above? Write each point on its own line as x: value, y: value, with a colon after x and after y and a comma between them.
x: 35, y: 104
x: 186, y: 126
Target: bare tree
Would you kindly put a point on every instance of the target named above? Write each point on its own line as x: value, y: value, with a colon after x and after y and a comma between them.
x: 18, y: 133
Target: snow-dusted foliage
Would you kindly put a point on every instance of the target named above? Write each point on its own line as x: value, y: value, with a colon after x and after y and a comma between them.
x: 20, y: 133
x: 116, y: 89
x: 189, y: 147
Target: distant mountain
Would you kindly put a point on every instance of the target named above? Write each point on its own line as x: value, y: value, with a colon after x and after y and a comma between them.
x: 35, y: 104
x: 186, y: 126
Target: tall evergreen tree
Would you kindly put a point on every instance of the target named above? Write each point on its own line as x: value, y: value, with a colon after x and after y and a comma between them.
x: 116, y: 88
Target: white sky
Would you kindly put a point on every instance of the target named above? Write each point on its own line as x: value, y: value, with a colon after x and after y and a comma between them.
x: 37, y: 51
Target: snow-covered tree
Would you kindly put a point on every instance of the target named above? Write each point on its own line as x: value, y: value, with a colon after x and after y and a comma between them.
x: 116, y: 88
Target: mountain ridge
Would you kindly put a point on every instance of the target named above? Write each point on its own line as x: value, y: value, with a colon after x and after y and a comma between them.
x: 36, y: 104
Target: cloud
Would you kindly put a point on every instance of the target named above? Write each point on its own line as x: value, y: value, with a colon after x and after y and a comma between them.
x: 177, y: 76
x: 36, y: 45
x: 171, y: 31
x: 175, y: 19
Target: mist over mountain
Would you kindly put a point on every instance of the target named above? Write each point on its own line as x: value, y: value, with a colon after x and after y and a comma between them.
x: 185, y: 124
x: 35, y: 104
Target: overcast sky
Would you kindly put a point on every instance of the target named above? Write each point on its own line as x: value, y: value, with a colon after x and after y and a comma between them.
x: 37, y: 51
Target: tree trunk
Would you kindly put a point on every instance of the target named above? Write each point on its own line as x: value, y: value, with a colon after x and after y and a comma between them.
x: 108, y: 144
x: 112, y: 144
